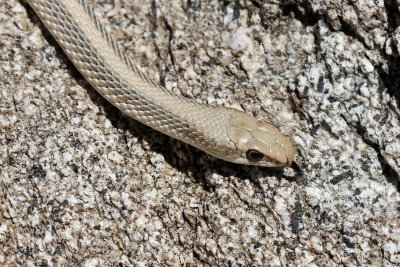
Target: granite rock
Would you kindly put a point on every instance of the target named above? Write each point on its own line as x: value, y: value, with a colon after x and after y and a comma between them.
x: 82, y: 184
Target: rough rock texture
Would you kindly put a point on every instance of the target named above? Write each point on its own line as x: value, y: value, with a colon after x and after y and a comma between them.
x: 81, y: 184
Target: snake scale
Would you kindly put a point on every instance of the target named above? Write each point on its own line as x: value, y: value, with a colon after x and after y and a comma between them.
x: 222, y: 132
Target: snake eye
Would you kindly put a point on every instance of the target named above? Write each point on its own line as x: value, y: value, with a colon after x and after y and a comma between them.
x: 254, y: 155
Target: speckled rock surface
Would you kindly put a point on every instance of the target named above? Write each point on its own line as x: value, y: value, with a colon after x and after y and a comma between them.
x: 82, y: 184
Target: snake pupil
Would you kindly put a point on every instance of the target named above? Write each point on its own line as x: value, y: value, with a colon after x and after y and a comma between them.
x: 254, y: 155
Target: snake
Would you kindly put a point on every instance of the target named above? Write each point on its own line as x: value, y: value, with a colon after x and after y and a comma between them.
x: 221, y: 132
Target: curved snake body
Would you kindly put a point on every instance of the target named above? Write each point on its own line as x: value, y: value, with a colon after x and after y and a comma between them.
x: 222, y: 132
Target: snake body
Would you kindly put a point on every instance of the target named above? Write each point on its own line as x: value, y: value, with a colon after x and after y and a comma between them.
x: 221, y: 132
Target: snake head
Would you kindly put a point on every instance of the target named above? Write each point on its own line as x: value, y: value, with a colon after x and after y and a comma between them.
x: 259, y: 143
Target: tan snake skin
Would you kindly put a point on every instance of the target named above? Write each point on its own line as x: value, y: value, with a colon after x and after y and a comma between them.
x: 222, y: 132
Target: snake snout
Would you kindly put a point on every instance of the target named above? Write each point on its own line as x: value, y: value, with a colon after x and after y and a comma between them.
x: 279, y: 147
